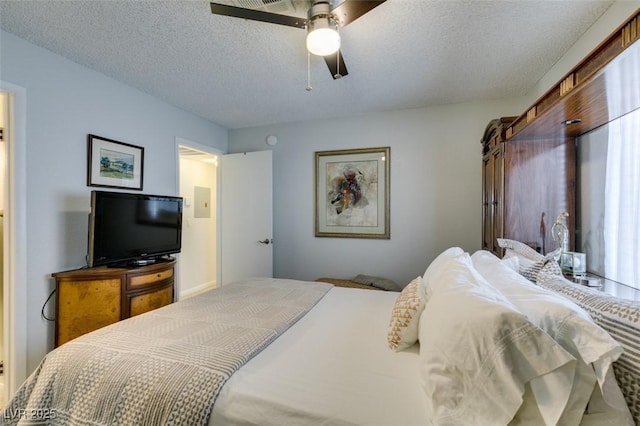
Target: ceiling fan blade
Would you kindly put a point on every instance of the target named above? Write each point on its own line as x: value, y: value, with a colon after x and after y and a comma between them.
x: 257, y: 15
x: 350, y: 10
x: 333, y: 61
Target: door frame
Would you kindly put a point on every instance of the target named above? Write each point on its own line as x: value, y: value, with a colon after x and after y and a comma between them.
x: 15, y: 241
x: 209, y: 150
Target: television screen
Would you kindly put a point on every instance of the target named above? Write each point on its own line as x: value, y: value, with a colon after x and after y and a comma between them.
x: 133, y: 228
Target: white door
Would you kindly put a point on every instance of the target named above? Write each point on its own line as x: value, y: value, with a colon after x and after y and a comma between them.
x: 245, y: 216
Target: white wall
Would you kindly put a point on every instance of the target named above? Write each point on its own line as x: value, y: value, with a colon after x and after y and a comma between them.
x: 198, y: 257
x: 65, y: 102
x: 436, y: 183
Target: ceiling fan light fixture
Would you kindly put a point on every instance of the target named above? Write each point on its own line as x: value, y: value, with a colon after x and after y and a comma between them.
x: 323, y: 38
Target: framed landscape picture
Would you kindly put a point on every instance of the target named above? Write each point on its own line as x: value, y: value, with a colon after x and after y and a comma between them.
x: 352, y: 193
x: 114, y: 164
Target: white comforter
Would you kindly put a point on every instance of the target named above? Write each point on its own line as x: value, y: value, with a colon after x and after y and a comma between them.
x: 332, y: 368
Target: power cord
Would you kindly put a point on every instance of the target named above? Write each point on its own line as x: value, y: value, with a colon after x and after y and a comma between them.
x: 45, y: 305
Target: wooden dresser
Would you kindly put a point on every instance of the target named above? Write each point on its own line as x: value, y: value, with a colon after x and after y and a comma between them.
x: 88, y: 299
x: 525, y: 186
x: 493, y: 152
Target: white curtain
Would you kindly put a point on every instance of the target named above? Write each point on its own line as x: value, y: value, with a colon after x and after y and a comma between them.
x: 622, y: 185
x: 622, y: 201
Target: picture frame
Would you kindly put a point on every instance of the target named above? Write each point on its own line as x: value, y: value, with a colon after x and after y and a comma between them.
x: 352, y: 193
x: 114, y: 164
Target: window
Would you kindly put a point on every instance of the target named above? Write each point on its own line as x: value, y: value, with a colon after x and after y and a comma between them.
x: 622, y: 202
x: 608, y: 196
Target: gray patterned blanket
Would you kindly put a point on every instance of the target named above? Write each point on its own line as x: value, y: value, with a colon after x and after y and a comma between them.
x: 165, y: 367
x: 621, y: 319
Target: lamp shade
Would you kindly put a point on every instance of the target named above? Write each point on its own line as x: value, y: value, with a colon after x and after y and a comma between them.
x: 323, y: 38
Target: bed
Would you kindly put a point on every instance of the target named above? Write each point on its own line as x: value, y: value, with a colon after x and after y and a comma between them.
x: 452, y: 348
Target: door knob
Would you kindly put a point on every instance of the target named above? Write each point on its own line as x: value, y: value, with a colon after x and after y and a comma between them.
x: 266, y: 241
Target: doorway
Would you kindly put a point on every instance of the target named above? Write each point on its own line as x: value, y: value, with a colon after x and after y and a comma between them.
x: 239, y: 243
x: 197, y: 269
x: 4, y: 123
x: 14, y: 240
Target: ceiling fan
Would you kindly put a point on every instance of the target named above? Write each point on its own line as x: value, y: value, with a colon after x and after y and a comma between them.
x: 322, y: 23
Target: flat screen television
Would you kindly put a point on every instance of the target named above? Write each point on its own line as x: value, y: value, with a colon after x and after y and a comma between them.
x: 133, y: 229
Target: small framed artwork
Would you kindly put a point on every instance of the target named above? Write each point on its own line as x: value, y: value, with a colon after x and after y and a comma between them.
x: 352, y: 193
x: 114, y: 164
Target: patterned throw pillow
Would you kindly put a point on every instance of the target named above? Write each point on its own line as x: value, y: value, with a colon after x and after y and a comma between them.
x: 546, y: 265
x: 531, y: 263
x: 405, y: 316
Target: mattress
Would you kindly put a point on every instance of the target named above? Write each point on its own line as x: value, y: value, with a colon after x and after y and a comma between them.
x: 333, y: 367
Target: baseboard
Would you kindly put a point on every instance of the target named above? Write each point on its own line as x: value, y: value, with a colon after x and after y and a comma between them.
x: 197, y: 290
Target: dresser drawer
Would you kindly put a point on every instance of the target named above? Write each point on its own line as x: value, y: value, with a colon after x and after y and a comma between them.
x: 145, y: 302
x: 136, y: 282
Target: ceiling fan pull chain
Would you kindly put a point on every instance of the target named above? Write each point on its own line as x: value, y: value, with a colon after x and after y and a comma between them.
x: 308, y: 88
x: 338, y: 75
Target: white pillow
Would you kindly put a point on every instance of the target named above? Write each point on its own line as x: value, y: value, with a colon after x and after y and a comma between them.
x: 435, y: 266
x: 477, y: 351
x: 512, y: 263
x: 405, y: 316
x: 570, y: 325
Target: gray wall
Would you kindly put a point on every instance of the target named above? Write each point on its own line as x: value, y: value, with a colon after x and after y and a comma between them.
x: 65, y: 102
x: 435, y: 188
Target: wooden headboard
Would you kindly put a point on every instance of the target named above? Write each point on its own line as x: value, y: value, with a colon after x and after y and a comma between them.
x: 529, y: 161
x: 582, y: 94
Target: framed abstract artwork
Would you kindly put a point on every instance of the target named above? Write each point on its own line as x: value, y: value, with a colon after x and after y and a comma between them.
x: 352, y: 193
x: 114, y: 164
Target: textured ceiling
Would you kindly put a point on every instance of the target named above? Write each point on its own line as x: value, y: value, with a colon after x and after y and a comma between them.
x: 239, y: 73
